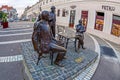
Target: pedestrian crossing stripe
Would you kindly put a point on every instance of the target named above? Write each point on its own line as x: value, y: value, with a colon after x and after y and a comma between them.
x: 11, y: 58
x: 16, y: 41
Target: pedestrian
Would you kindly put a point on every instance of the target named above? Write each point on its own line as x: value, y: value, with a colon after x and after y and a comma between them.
x: 52, y: 20
x: 80, y: 29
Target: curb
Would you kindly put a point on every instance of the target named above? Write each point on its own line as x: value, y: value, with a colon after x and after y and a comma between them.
x: 85, y: 73
x: 89, y: 72
x: 27, y: 71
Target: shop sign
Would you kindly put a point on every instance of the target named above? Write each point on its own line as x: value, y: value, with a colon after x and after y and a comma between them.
x: 108, y: 8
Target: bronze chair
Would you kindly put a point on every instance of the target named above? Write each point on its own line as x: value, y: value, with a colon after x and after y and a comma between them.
x: 41, y: 53
x: 36, y: 47
x: 54, y: 48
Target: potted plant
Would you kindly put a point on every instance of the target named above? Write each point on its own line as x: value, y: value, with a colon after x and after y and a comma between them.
x: 4, y: 20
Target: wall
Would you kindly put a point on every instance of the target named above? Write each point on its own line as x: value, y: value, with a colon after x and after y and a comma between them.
x: 92, y: 7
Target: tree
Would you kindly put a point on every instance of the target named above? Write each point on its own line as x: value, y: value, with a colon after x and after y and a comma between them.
x: 4, y: 17
x: 1, y: 13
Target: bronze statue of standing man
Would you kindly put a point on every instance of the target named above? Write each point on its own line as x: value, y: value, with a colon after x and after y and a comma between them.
x: 52, y: 20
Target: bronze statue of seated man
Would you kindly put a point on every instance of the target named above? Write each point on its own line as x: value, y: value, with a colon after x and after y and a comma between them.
x: 47, y: 41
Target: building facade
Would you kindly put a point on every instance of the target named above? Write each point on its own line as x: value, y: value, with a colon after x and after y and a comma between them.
x: 24, y: 15
x: 10, y: 11
x: 100, y: 17
x: 33, y: 11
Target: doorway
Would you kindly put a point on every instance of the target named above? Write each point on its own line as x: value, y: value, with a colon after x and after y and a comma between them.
x: 72, y: 18
x: 84, y: 18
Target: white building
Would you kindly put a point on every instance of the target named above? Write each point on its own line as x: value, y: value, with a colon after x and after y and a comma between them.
x: 33, y: 11
x: 100, y: 17
x: 13, y: 14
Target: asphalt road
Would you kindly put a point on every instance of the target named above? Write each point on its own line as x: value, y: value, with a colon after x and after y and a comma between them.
x: 109, y: 66
x: 16, y: 31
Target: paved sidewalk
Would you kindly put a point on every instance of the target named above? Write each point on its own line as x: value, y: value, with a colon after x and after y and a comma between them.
x: 74, y: 64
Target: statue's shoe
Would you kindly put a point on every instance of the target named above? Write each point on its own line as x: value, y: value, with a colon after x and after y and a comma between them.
x: 60, y: 65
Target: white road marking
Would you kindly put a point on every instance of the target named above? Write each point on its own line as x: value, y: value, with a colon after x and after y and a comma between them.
x: 17, y: 41
x: 15, y: 34
x: 17, y: 30
x: 16, y: 57
x: 11, y: 58
x: 21, y: 26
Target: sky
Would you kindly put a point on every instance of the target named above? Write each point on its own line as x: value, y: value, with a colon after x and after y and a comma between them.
x: 19, y: 5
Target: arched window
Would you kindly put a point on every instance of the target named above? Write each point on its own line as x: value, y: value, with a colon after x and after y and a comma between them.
x: 58, y: 12
x: 63, y: 13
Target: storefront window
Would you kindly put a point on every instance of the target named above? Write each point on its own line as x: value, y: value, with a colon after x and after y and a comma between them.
x: 116, y: 26
x: 99, y: 21
x: 58, y: 12
x: 84, y: 18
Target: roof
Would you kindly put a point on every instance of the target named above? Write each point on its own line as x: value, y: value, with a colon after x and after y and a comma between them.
x: 7, y: 7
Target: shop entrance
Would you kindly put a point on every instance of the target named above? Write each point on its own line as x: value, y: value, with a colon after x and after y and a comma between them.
x: 72, y: 18
x: 84, y: 18
x: 99, y: 22
x: 116, y: 26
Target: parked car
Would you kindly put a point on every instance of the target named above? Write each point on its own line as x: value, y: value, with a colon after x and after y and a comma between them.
x: 16, y: 20
x: 10, y: 20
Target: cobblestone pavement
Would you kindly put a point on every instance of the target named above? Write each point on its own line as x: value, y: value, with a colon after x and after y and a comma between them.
x: 75, y: 63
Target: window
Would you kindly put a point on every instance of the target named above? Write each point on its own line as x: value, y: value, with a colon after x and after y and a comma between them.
x: 63, y: 13
x: 84, y: 18
x: 72, y: 18
x: 58, y: 12
x: 116, y: 26
x: 99, y: 21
